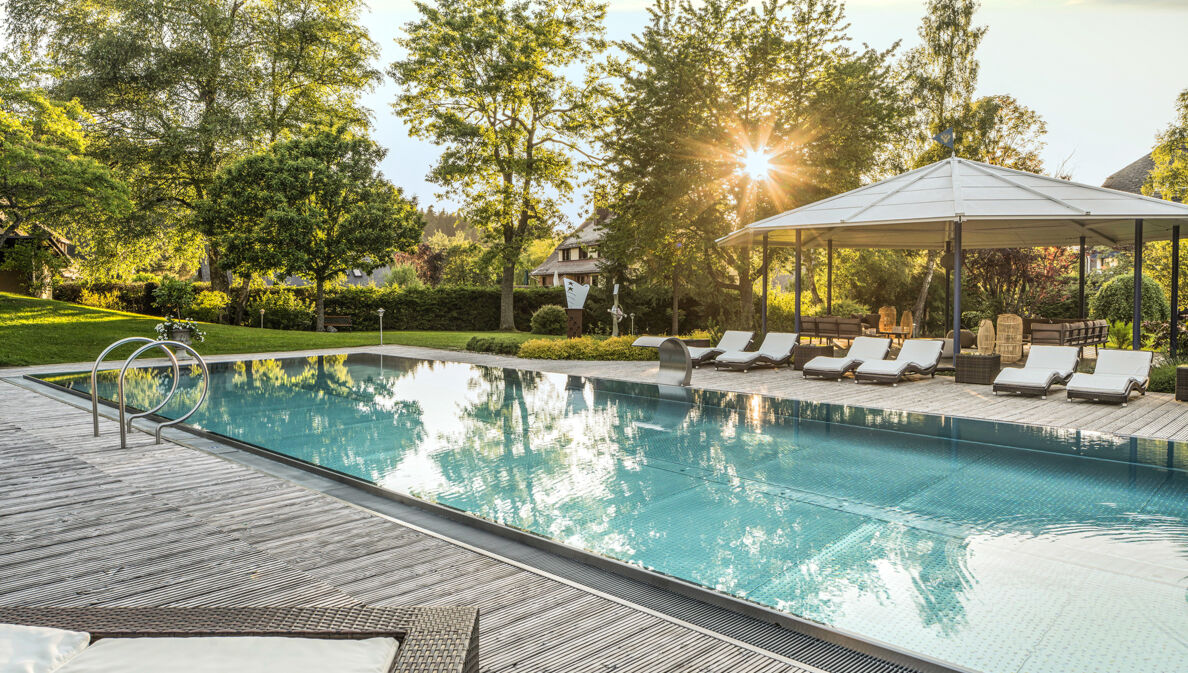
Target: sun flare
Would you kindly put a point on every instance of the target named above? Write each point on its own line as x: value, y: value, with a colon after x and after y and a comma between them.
x: 756, y: 164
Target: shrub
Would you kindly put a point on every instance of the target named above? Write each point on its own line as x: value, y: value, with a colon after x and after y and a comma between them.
x: 1115, y: 300
x: 173, y: 296
x: 1163, y: 377
x: 585, y: 348
x: 210, y: 306
x: 144, y: 277
x: 134, y: 297
x: 402, y: 276
x: 282, y: 310
x: 549, y: 319
x: 498, y: 345
x: 109, y: 300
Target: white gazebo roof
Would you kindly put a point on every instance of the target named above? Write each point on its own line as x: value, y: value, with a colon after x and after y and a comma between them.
x: 998, y: 208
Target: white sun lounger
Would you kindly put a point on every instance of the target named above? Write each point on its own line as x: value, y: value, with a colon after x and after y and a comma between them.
x: 1045, y: 366
x: 775, y: 351
x: 918, y: 356
x: 862, y: 350
x: 1117, y: 375
x: 732, y: 340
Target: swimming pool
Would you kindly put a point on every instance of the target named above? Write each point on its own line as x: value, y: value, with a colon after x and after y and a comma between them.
x: 993, y: 546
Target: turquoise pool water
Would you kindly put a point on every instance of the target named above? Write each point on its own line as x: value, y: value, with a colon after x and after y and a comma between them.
x: 993, y: 546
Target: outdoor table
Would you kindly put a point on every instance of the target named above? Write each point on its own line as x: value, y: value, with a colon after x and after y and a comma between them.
x: 978, y: 368
x: 805, y: 352
x: 898, y: 334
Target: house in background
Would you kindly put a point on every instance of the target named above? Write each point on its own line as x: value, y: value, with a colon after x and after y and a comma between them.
x: 576, y: 258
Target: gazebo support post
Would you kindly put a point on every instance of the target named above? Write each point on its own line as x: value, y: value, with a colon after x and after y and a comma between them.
x: 1136, y: 330
x: 948, y: 282
x: 829, y: 279
x: 799, y: 252
x: 1081, y: 284
x: 1175, y: 291
x: 763, y: 309
x: 956, y: 290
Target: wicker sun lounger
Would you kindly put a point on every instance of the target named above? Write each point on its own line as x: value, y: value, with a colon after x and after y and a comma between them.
x: 1045, y: 367
x: 1117, y: 374
x: 862, y: 350
x: 775, y: 351
x: 732, y: 340
x: 432, y: 640
x: 918, y: 356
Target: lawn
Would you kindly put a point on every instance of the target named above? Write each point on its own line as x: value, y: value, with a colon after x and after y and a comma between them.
x: 37, y: 331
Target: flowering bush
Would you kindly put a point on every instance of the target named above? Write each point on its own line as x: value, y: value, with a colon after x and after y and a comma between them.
x: 165, y: 329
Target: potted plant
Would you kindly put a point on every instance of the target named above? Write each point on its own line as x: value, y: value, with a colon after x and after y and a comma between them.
x: 180, y: 330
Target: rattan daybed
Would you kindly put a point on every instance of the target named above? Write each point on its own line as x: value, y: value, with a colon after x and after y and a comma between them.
x: 432, y: 639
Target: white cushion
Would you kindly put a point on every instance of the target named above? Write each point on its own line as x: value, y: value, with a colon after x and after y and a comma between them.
x: 698, y: 351
x: 648, y: 341
x: 886, y: 367
x: 824, y: 363
x: 1062, y: 359
x: 37, y: 649
x: 738, y: 357
x: 1031, y: 377
x: 734, y: 340
x: 248, y: 654
x: 1100, y: 383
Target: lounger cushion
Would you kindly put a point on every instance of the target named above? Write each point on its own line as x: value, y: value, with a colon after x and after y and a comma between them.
x: 738, y: 357
x: 249, y: 654
x: 37, y: 649
x: 1101, y: 383
x: 885, y: 367
x: 1026, y: 377
x: 698, y: 352
x: 826, y: 363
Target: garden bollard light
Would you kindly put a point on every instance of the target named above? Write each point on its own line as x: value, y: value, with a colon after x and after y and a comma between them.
x: 381, y: 316
x: 261, y: 318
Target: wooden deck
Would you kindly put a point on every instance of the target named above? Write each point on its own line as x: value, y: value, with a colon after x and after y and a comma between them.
x: 85, y: 523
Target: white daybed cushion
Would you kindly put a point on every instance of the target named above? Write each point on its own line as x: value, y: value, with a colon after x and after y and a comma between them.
x: 734, y: 340
x: 887, y: 367
x: 1029, y: 377
x: 1060, y: 359
x: 825, y: 363
x: 699, y: 351
x: 1100, y: 383
x: 247, y: 654
x: 37, y: 649
x: 648, y: 341
x: 738, y: 357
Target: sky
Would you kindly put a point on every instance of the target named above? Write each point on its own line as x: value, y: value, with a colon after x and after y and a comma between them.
x: 1104, y: 74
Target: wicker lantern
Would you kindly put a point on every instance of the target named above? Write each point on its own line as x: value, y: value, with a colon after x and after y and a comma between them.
x: 886, y: 318
x: 986, y: 337
x: 1010, y: 337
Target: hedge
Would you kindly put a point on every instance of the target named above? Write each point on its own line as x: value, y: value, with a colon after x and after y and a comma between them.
x: 585, y: 348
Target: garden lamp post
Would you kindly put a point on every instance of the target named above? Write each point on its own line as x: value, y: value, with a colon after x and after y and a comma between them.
x: 632, y: 324
x: 261, y: 318
x: 381, y: 318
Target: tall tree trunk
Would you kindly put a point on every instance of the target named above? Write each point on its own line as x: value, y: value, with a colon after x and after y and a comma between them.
x: 746, y: 290
x: 507, y: 315
x: 241, y: 304
x: 676, y: 304
x: 321, y: 305
x: 218, y: 277
x: 918, y: 309
x: 811, y: 277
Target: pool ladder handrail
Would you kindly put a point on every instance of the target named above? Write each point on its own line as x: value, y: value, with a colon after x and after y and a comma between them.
x: 125, y: 419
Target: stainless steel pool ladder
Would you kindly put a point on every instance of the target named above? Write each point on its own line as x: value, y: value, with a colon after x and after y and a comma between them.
x: 125, y: 418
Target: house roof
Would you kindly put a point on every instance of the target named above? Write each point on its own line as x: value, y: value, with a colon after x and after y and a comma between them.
x: 998, y: 208
x: 1131, y: 178
x: 588, y: 233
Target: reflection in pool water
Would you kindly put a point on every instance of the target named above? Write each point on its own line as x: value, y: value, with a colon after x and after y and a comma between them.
x: 994, y: 546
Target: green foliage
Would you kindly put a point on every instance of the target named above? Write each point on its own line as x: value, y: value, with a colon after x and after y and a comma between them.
x: 108, y: 300
x: 486, y: 79
x: 1169, y: 178
x: 210, y: 306
x: 549, y: 319
x: 314, y: 207
x: 49, y: 187
x: 585, y: 348
x: 143, y: 277
x: 1163, y: 376
x: 497, y: 345
x: 36, y: 263
x: 134, y: 297
x: 1115, y: 300
x: 173, y: 296
x: 180, y: 89
x: 703, y: 85
x: 1121, y: 335
x: 282, y: 310
x: 401, y: 276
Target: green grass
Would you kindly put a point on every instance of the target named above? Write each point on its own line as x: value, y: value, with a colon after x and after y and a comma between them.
x: 37, y: 331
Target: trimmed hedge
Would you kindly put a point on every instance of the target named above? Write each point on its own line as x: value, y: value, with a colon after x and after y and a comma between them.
x: 549, y: 319
x: 585, y: 348
x: 497, y: 345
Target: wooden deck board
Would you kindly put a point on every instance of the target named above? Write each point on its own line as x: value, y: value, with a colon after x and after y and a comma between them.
x: 86, y: 523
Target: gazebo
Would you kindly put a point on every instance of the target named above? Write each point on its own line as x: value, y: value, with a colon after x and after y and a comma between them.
x: 958, y: 204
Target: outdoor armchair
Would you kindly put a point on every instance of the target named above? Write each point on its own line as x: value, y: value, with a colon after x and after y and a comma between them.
x: 732, y: 340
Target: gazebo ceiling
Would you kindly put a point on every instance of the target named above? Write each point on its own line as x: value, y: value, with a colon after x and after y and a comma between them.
x: 998, y: 208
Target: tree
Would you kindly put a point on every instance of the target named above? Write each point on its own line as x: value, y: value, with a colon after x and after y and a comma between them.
x: 1115, y: 300
x: 1169, y: 178
x: 49, y: 188
x: 728, y: 113
x: 1013, y: 279
x: 313, y: 207
x: 486, y: 79
x: 180, y: 89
